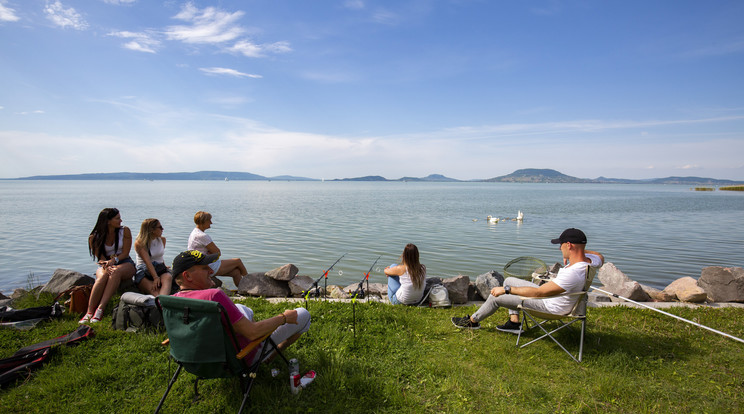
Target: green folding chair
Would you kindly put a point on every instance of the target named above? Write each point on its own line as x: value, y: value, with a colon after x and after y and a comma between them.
x: 539, y: 319
x: 203, y: 343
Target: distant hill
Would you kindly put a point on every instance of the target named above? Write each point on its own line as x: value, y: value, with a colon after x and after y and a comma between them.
x: 534, y: 175
x: 365, y: 178
x: 431, y: 178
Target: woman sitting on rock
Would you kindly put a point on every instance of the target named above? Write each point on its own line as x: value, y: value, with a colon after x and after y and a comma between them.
x: 109, y: 243
x: 407, y: 280
x: 152, y: 277
x: 201, y: 241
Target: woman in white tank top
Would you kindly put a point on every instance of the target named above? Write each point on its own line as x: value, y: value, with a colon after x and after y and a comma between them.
x: 152, y: 276
x: 407, y: 280
x: 109, y: 243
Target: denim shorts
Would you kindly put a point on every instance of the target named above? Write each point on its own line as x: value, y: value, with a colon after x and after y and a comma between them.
x: 143, y: 273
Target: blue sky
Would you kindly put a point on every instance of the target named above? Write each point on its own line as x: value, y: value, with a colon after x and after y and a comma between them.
x: 333, y: 89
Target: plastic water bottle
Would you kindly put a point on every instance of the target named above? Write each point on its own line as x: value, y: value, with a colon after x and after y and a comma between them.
x: 294, y: 376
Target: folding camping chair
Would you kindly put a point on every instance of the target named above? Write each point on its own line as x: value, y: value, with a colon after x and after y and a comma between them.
x: 203, y: 342
x: 577, y: 314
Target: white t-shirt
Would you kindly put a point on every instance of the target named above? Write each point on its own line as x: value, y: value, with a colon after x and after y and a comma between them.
x: 198, y: 240
x: 571, y: 279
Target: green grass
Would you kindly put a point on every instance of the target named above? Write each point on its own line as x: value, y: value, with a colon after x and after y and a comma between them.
x: 406, y: 359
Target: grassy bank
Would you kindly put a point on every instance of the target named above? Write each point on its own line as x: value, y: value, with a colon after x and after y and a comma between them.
x: 407, y: 359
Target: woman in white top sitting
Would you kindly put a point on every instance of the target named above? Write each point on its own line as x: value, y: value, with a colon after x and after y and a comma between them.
x: 152, y: 276
x: 109, y: 243
x: 407, y: 280
x: 201, y: 241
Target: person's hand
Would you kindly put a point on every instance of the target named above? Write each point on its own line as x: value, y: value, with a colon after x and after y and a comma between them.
x: 291, y: 316
x: 497, y: 291
x: 156, y: 280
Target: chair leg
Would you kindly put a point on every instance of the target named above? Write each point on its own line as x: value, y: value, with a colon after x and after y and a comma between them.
x: 170, y: 384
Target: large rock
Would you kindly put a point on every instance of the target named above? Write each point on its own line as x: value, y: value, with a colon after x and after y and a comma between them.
x: 631, y: 290
x: 723, y: 284
x: 284, y: 273
x: 686, y: 289
x: 457, y: 287
x: 300, y: 284
x: 64, y: 279
x: 473, y: 294
x: 337, y: 292
x: 377, y: 289
x: 488, y: 281
x: 258, y: 284
x: 612, y: 278
x: 657, y: 295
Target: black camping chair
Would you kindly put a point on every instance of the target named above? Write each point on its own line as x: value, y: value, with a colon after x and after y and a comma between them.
x: 203, y: 343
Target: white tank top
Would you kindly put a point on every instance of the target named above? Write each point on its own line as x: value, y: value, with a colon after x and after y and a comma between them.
x: 157, y: 250
x: 110, y: 249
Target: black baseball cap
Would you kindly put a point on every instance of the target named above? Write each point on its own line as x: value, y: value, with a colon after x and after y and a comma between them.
x: 190, y: 258
x: 571, y: 235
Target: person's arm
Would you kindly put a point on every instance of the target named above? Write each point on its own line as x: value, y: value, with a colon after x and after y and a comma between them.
x: 256, y: 330
x: 397, y: 270
x: 127, y: 247
x: 212, y: 249
x: 542, y: 291
x: 596, y: 254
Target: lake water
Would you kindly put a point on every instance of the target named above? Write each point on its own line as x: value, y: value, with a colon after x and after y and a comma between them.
x: 655, y: 234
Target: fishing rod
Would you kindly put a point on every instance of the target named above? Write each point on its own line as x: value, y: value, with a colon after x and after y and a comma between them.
x: 358, y: 289
x: 668, y: 314
x: 325, y: 284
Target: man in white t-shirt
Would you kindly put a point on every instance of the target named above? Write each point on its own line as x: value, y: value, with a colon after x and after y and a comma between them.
x: 570, y: 278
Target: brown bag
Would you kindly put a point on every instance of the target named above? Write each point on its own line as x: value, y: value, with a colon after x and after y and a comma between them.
x: 78, y: 301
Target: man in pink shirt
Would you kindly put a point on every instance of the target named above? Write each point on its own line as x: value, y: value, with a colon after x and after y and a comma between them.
x: 191, y: 272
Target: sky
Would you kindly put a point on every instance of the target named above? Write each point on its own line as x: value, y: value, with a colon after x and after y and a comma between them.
x: 469, y: 89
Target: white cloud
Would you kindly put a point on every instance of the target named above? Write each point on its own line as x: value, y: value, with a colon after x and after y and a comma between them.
x: 207, y: 26
x: 36, y: 112
x: 354, y: 4
x: 249, y: 49
x: 7, y: 14
x: 141, y: 42
x: 228, y: 72
x: 65, y: 17
x: 117, y: 2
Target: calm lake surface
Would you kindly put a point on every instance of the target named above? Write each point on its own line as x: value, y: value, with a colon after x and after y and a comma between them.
x: 653, y: 233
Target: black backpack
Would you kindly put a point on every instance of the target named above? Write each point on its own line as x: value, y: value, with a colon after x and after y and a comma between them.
x: 135, y: 318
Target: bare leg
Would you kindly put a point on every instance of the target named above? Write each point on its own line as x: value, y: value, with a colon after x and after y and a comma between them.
x: 120, y: 272
x: 166, y: 281
x: 233, y: 268
x: 98, y: 287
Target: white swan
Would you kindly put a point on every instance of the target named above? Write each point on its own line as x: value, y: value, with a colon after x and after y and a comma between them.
x: 492, y: 219
x: 520, y: 216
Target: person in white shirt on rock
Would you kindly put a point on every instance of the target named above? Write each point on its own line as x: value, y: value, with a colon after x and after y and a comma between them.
x: 201, y: 241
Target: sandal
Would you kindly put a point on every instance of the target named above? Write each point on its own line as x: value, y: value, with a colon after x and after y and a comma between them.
x: 86, y: 318
x: 97, y: 317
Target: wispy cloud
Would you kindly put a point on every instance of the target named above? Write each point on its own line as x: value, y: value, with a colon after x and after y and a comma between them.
x: 207, y: 26
x: 730, y: 47
x: 354, y: 4
x: 36, y: 112
x: 64, y: 17
x: 140, y: 42
x: 249, y: 49
x: 228, y: 72
x: 7, y: 14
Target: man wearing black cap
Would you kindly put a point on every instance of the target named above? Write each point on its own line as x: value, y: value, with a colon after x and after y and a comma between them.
x: 570, y: 278
x: 192, y: 273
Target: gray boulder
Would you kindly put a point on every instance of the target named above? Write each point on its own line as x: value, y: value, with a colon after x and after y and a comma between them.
x: 487, y: 281
x: 723, y: 284
x: 457, y: 288
x: 657, y: 295
x: 337, y: 292
x: 300, y: 284
x: 686, y: 289
x: 258, y: 284
x: 377, y: 289
x: 284, y: 273
x: 64, y: 279
x: 612, y: 278
x: 473, y: 294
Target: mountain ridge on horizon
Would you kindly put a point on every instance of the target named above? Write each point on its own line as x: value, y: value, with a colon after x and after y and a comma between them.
x: 526, y: 175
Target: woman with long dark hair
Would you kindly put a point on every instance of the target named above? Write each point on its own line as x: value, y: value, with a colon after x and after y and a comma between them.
x: 109, y: 243
x: 152, y: 277
x: 407, y: 280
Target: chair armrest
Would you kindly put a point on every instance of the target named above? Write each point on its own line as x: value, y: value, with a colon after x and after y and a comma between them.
x: 251, y: 346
